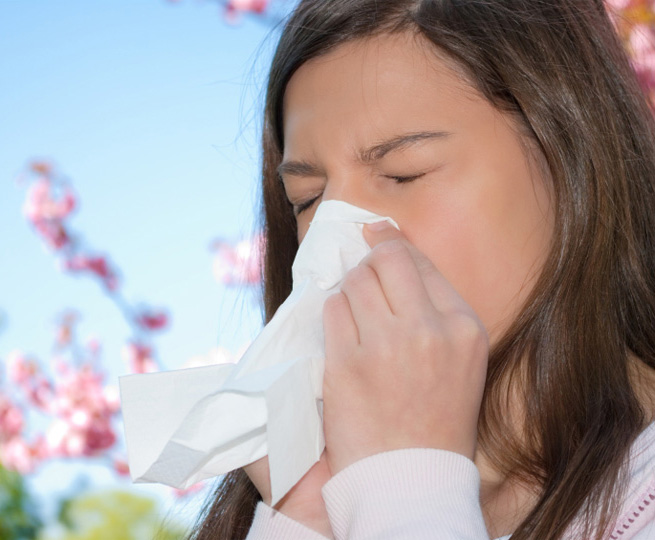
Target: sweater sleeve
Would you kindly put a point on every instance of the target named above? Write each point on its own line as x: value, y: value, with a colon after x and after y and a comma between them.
x: 418, y: 493
x: 269, y: 524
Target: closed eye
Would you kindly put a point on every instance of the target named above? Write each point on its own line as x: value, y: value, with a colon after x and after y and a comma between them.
x: 299, y: 208
x: 401, y: 179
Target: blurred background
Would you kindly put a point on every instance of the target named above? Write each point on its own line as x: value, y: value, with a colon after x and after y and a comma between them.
x: 129, y: 162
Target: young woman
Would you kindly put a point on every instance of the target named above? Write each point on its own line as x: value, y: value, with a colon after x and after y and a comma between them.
x: 490, y: 369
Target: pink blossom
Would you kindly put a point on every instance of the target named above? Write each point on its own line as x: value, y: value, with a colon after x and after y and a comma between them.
x: 618, y: 4
x: 152, y: 320
x: 64, y: 440
x: 11, y: 419
x: 139, y: 358
x: 121, y: 467
x: 40, y: 448
x: 20, y: 368
x: 254, y: 6
x: 39, y: 392
x: 15, y: 452
x: 26, y: 374
x: 83, y: 413
x: 235, y: 8
x: 79, y: 389
x: 99, y: 437
x: 54, y: 233
x: 239, y: 264
x: 64, y: 334
x: 46, y: 212
x: 42, y: 205
x: 97, y: 265
x: 18, y: 455
x: 642, y: 44
x: 65, y: 327
x: 90, y: 438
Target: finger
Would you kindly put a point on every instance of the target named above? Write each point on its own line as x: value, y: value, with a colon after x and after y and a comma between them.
x: 383, y: 231
x: 400, y: 280
x: 339, y: 328
x: 441, y: 292
x: 368, y: 304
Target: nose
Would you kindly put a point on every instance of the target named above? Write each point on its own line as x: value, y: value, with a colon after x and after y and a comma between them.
x: 353, y: 189
x: 356, y: 189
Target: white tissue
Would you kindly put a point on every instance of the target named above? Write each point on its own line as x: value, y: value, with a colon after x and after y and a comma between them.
x: 186, y: 425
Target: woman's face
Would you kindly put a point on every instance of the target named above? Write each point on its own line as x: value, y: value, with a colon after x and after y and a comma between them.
x: 383, y: 124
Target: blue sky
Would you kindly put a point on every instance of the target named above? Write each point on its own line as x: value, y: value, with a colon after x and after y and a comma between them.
x: 151, y: 109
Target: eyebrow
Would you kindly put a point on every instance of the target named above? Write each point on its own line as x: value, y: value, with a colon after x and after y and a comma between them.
x: 366, y: 155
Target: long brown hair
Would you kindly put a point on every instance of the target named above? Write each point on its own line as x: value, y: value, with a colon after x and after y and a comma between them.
x: 560, y: 69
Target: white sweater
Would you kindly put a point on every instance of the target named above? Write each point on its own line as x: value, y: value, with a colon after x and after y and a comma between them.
x: 428, y: 494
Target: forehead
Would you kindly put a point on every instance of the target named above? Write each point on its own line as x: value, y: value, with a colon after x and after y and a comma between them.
x: 389, y: 81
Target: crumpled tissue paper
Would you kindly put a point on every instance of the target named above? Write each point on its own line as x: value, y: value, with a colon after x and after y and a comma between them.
x: 187, y: 425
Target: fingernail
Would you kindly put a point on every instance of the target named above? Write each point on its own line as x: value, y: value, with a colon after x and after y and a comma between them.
x: 378, y: 226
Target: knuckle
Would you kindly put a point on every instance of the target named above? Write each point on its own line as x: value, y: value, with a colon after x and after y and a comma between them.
x: 469, y: 330
x: 389, y: 250
x: 334, y: 303
x: 426, y: 335
x: 356, y: 277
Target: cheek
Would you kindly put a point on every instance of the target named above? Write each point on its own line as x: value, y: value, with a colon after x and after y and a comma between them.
x: 489, y: 243
x: 303, y: 221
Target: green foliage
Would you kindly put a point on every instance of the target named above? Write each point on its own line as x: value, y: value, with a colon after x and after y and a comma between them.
x: 111, y: 515
x: 18, y: 516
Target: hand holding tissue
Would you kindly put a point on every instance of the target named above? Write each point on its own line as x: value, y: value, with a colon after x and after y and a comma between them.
x: 187, y: 425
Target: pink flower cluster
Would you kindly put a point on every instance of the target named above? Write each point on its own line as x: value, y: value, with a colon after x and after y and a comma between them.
x: 642, y: 45
x: 240, y: 263
x: 139, y: 358
x: 233, y: 9
x: 151, y: 320
x: 635, y: 23
x: 242, y: 6
x: 77, y: 403
x: 80, y: 407
x: 15, y: 452
x: 47, y: 212
x: 97, y: 265
x: 48, y: 205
